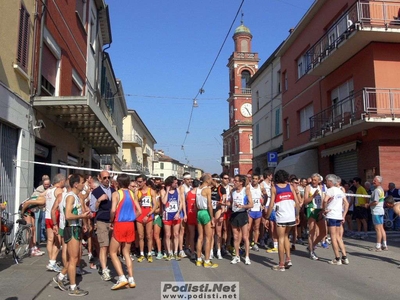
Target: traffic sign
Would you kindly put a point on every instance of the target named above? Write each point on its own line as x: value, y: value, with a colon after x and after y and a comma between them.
x: 272, y: 159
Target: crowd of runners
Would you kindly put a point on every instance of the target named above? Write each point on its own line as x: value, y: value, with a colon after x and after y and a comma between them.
x: 203, y: 219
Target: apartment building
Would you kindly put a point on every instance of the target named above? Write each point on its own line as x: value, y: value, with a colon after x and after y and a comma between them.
x: 137, y: 145
x: 62, y: 105
x: 266, y: 90
x: 340, y: 90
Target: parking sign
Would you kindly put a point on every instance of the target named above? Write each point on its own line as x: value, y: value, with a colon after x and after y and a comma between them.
x: 272, y: 159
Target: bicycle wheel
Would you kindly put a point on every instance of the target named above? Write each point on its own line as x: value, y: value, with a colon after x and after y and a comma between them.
x: 21, y: 243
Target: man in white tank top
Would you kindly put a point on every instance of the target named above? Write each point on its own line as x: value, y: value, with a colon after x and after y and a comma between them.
x: 53, y: 241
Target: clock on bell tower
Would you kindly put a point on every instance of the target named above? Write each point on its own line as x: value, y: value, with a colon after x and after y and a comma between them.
x: 242, y: 64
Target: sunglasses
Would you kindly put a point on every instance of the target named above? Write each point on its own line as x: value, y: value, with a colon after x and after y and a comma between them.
x: 139, y: 181
x: 106, y: 177
x: 225, y: 178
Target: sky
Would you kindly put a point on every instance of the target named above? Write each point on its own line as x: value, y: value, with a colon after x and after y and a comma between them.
x: 163, y: 51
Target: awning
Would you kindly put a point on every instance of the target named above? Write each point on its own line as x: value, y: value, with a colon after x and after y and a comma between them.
x: 339, y: 149
x: 84, y: 118
x: 302, y: 164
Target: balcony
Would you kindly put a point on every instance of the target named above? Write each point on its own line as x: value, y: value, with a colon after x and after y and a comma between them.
x: 361, y: 24
x: 132, y: 166
x: 367, y: 108
x: 106, y: 160
x: 133, y: 139
x: 84, y: 117
x: 147, y: 151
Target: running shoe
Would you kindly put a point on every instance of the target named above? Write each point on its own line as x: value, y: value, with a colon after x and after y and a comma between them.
x: 313, y: 256
x: 131, y: 283
x: 150, y: 258
x: 300, y: 242
x: 193, y: 256
x: 345, y: 261
x: 199, y: 263
x: 272, y: 250
x: 219, y: 256
x: 53, y: 267
x: 288, y: 264
x: 325, y: 245
x: 182, y: 254
x: 141, y: 258
x: 335, y: 262
x: 255, y: 248
x: 35, y: 253
x: 169, y: 257
x: 153, y: 253
x: 235, y: 260
x: 247, y: 261
x: 252, y: 244
x: 164, y: 255
x: 106, y: 275
x: 159, y: 256
x: 77, y: 292
x: 120, y: 284
x: 60, y: 283
x: 210, y: 265
x: 278, y: 268
x: 177, y: 257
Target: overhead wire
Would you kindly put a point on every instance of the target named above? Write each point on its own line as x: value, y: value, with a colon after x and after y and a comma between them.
x: 201, y: 90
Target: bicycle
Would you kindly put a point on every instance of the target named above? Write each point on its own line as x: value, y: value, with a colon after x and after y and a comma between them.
x: 19, y: 246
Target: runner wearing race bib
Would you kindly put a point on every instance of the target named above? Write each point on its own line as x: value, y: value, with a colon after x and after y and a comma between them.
x: 255, y: 213
x: 147, y: 198
x: 377, y: 210
x: 172, y: 202
x: 218, y: 196
x: 241, y: 201
x: 313, y: 202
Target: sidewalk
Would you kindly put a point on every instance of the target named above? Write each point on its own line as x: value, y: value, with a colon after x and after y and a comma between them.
x: 25, y: 280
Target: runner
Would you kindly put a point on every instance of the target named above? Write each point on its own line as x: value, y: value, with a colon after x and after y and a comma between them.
x: 316, y: 222
x: 147, y: 200
x: 376, y: 205
x: 184, y: 189
x: 74, y: 215
x: 172, y: 202
x: 270, y: 223
x: 218, y: 196
x: 192, y: 217
x: 241, y: 201
x: 286, y: 205
x: 360, y: 210
x: 226, y: 226
x: 255, y: 213
x: 124, y: 211
x: 335, y: 208
x: 204, y: 221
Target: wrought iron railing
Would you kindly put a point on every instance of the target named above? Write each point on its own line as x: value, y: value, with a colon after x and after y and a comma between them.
x: 361, y: 14
x: 364, y: 104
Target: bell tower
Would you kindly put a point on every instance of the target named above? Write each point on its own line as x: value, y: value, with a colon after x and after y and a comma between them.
x: 242, y: 64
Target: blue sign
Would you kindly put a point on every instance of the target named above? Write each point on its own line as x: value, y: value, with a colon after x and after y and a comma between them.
x: 272, y: 159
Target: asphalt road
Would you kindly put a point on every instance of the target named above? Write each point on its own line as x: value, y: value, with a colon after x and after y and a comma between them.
x: 370, y: 275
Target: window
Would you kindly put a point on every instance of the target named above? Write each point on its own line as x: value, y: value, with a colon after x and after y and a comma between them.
x: 77, y: 84
x: 23, y: 39
x: 277, y: 121
x: 303, y: 65
x: 236, y: 145
x: 245, y: 79
x: 162, y: 166
x: 258, y: 101
x: 257, y: 134
x: 279, y: 80
x: 80, y: 9
x: 251, y: 142
x: 305, y: 114
x: 49, y: 71
x: 287, y: 128
x: 285, y: 80
x: 93, y: 32
x: 341, y: 99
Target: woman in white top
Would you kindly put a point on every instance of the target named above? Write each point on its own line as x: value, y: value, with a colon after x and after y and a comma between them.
x: 335, y: 207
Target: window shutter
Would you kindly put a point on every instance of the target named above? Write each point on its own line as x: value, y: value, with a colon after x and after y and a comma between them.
x: 23, y: 39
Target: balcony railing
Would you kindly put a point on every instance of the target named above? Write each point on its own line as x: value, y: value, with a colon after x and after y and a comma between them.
x: 132, y: 166
x: 360, y: 15
x: 133, y: 138
x: 147, y: 151
x: 106, y: 160
x: 363, y: 105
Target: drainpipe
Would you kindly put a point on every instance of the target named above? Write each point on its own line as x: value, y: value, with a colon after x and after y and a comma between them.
x: 32, y: 79
x: 39, y: 81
